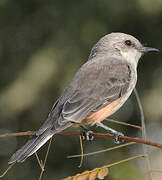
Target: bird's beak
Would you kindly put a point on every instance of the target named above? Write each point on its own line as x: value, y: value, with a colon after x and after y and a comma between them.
x: 148, y: 49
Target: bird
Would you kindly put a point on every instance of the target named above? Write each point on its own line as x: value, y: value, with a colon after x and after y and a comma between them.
x: 97, y: 90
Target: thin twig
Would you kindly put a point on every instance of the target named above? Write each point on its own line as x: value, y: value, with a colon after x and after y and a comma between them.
x: 48, y: 149
x: 39, y: 162
x: 101, y: 151
x: 144, y: 136
x: 45, y: 160
x: 156, y: 171
x: 126, y: 138
x: 82, y: 152
x: 125, y: 160
x: 26, y: 133
x: 124, y: 123
x: 5, y: 172
x: 99, y: 135
x: 142, y: 117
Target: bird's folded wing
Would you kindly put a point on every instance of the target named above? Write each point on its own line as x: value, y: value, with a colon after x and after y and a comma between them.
x: 76, y: 109
x: 93, y: 87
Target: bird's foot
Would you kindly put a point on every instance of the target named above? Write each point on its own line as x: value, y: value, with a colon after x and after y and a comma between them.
x: 117, y: 139
x: 87, y: 135
x: 115, y: 133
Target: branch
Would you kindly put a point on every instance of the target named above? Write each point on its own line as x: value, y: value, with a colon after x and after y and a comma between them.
x: 99, y: 135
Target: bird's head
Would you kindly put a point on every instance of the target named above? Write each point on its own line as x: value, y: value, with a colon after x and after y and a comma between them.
x: 121, y: 45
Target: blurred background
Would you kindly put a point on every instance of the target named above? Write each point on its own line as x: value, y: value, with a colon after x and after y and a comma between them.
x: 42, y: 44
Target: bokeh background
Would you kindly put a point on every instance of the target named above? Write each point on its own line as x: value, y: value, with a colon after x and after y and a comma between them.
x: 42, y: 44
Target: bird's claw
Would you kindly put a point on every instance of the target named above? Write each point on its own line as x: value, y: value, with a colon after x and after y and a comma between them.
x: 87, y: 135
x: 117, y: 139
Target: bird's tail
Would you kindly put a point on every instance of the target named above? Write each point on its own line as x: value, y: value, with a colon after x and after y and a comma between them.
x: 30, y: 147
x: 38, y: 140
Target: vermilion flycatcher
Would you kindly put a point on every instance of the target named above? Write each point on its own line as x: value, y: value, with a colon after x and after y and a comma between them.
x: 98, y: 89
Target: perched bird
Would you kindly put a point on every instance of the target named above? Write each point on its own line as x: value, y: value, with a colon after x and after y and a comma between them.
x: 97, y: 90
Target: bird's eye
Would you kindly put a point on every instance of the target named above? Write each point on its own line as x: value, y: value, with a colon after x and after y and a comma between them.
x: 128, y: 42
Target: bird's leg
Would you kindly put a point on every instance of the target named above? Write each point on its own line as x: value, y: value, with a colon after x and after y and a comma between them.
x: 86, y: 133
x: 112, y: 131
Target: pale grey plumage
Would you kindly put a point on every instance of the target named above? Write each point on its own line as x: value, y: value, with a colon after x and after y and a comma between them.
x: 106, y: 76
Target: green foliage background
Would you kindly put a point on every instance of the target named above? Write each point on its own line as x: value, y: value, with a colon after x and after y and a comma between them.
x: 42, y: 44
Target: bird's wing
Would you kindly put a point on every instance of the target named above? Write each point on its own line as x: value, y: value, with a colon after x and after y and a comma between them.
x: 107, y: 85
x: 92, y: 87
